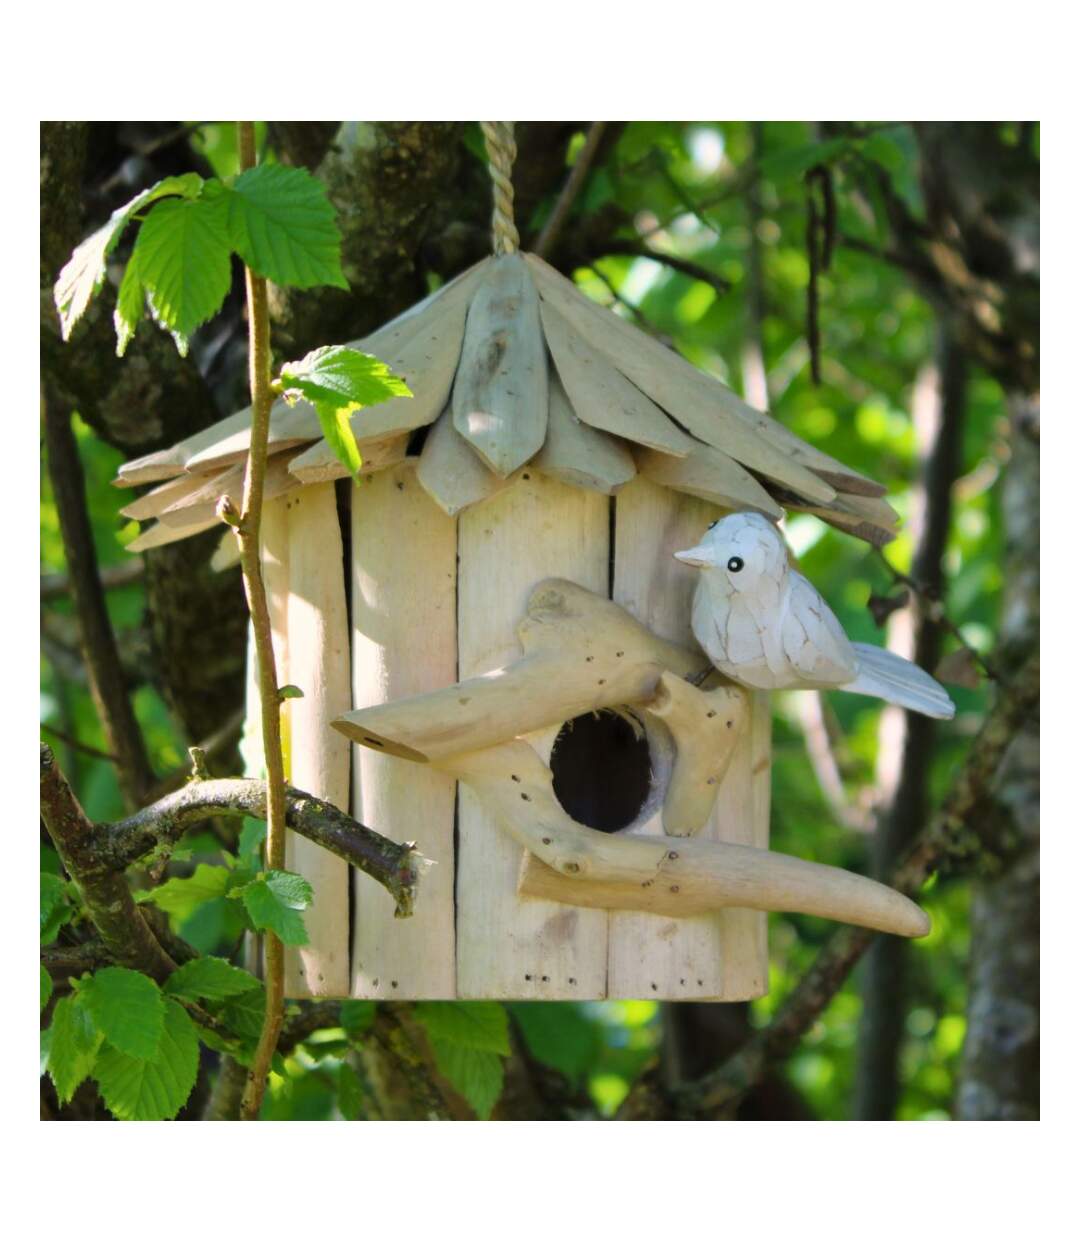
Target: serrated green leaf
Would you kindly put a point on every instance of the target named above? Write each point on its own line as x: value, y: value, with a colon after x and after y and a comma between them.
x: 338, y: 380
x: 127, y: 1008
x: 46, y: 988
x: 210, y: 978
x: 342, y: 378
x: 152, y: 1090
x: 54, y: 909
x: 559, y: 1035
x: 84, y: 272
x: 73, y: 1045
x: 130, y: 303
x: 274, y: 901
x: 243, y: 1014
x: 350, y: 1093
x: 481, y: 1025
x: 282, y: 225
x: 478, y: 1075
x: 357, y: 1017
x: 182, y: 253
x: 45, y: 1043
x: 181, y: 895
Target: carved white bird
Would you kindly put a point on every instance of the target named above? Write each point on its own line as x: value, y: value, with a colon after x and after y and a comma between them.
x: 764, y: 625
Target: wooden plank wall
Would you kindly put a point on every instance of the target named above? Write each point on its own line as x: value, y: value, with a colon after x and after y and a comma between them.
x: 710, y: 957
x: 535, y: 528
x: 404, y: 577
x: 318, y: 663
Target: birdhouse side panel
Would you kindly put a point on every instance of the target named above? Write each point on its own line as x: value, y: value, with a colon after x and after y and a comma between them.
x: 508, y: 947
x: 404, y: 584
x: 317, y: 628
x: 705, y: 957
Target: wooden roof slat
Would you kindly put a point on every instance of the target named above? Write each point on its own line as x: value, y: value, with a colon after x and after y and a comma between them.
x: 701, y: 404
x: 603, y: 397
x: 500, y: 398
x: 710, y: 475
x: 202, y: 504
x: 170, y: 462
x: 320, y: 464
x: 451, y: 472
x: 151, y: 503
x: 577, y: 454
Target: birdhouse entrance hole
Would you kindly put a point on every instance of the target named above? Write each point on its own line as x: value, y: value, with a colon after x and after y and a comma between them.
x: 602, y: 770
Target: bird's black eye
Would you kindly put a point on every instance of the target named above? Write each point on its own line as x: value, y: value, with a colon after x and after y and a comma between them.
x: 735, y: 564
x: 712, y: 524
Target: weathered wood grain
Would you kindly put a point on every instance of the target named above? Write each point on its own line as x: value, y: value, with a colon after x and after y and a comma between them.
x: 533, y: 529
x: 317, y: 627
x: 577, y: 454
x: 500, y: 394
x: 404, y: 571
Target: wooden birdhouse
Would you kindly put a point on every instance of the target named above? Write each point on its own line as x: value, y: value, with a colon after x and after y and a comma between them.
x: 493, y: 641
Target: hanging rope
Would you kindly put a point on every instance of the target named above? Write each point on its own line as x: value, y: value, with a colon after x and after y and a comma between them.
x: 501, y: 150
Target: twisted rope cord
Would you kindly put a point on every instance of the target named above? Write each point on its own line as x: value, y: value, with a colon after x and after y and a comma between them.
x: 501, y: 151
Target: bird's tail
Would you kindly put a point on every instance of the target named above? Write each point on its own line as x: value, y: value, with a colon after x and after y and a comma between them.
x: 888, y: 676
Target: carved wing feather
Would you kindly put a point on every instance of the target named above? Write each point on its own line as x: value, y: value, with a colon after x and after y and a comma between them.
x: 813, y: 639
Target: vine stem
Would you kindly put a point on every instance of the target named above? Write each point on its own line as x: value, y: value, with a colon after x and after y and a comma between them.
x: 247, y: 530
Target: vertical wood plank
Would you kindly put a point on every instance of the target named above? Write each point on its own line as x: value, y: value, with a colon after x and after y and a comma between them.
x: 710, y: 957
x: 404, y: 577
x: 537, y: 950
x: 318, y: 630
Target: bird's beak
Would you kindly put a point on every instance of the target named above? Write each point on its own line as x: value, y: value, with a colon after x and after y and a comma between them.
x: 698, y: 557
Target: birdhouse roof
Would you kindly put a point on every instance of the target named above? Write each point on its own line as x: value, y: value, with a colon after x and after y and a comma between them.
x: 511, y: 366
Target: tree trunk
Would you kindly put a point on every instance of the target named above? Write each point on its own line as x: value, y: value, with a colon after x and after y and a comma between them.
x: 999, y: 1078
x: 906, y: 739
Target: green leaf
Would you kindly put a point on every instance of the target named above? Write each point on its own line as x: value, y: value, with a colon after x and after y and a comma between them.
x: 84, y: 272
x: 152, y: 1090
x: 249, y: 843
x: 350, y: 1093
x: 336, y: 427
x: 273, y: 902
x: 127, y: 1008
x: 290, y: 692
x: 130, y: 303
x: 476, y: 1074
x: 243, y: 1014
x: 54, y: 908
x: 342, y: 378
x: 181, y: 895
x: 73, y: 1045
x: 211, y: 978
x: 480, y: 1025
x: 182, y: 254
x: 338, y: 380
x: 46, y: 988
x: 282, y: 225
x: 357, y: 1017
x: 559, y: 1035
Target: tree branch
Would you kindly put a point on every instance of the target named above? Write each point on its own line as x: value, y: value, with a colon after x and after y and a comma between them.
x: 396, y: 867
x: 123, y: 930
x: 549, y: 234
x: 955, y: 834
x: 107, y: 682
x: 112, y: 577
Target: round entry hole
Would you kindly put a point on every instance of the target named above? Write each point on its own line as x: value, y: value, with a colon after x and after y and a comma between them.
x: 601, y: 770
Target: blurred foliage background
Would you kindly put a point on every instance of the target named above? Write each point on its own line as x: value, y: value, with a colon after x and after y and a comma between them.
x: 706, y: 243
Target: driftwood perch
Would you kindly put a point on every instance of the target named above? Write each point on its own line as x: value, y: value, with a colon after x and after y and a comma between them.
x: 584, y: 653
